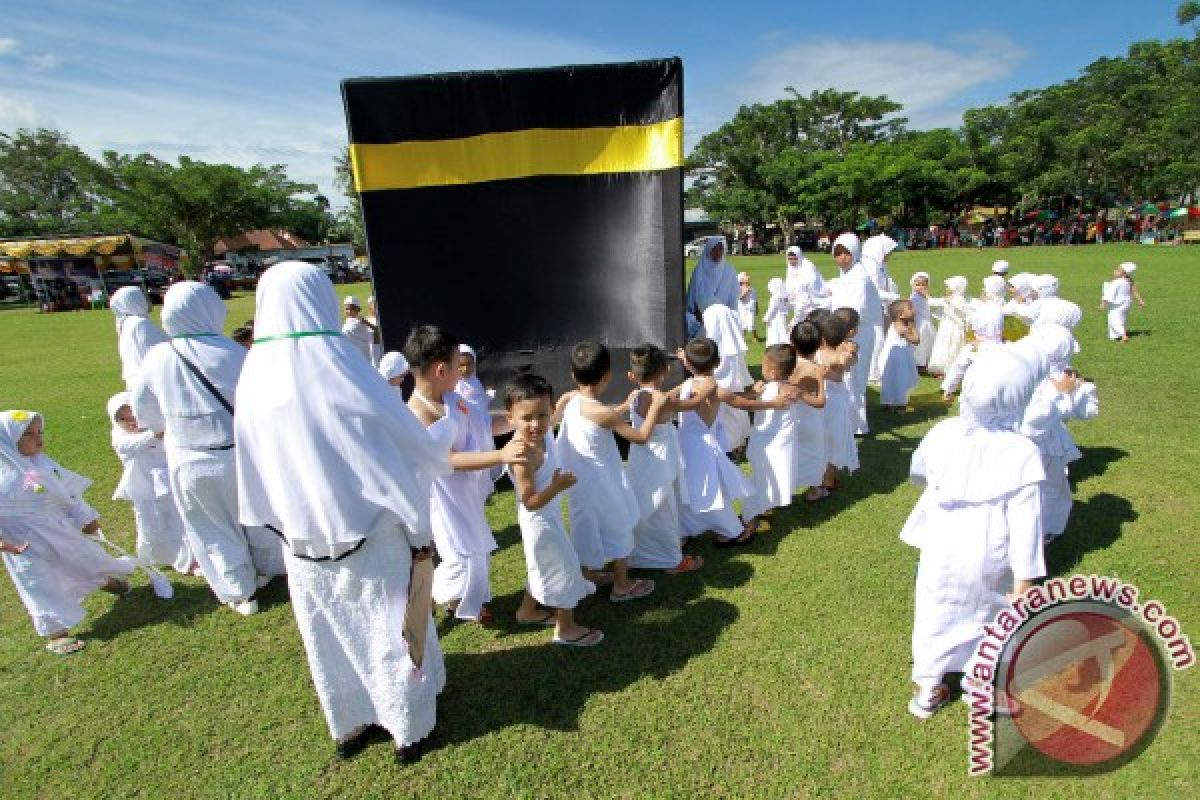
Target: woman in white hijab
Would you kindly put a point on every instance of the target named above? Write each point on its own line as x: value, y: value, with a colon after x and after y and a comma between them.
x: 329, y: 455
x: 978, y: 521
x: 196, y: 416
x: 854, y: 289
x: 875, y: 252
x: 42, y: 521
x: 136, y: 334
x: 713, y: 282
x: 805, y: 286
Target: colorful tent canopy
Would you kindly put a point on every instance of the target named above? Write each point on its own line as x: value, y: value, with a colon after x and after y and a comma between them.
x: 78, y: 246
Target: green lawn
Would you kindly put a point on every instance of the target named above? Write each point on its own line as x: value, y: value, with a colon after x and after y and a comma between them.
x: 779, y: 670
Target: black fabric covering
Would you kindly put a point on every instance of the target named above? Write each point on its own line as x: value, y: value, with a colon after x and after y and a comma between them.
x: 522, y: 269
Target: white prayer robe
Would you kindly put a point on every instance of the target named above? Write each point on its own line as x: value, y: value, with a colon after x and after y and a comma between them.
x: 1118, y: 298
x: 359, y: 334
x: 712, y: 283
x: 748, y: 309
x: 136, y: 334
x: 853, y: 289
x: 925, y: 329
x: 839, y: 418
x: 805, y: 287
x: 951, y: 331
x: 145, y: 484
x: 603, y: 508
x: 777, y: 315
x: 655, y: 474
x: 771, y: 455
x: 720, y: 324
x: 1045, y: 425
x: 712, y: 481
x: 897, y: 370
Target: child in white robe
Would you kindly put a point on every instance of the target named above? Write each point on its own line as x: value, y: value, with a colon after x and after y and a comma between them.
x: 732, y: 374
x: 458, y: 501
x: 655, y: 472
x: 145, y: 484
x: 471, y: 389
x: 1117, y: 298
x: 987, y: 325
x: 838, y: 355
x: 713, y: 481
x: 952, y: 330
x: 778, y: 313
x: 356, y: 328
x: 995, y: 289
x: 554, y: 578
x: 42, y: 521
x: 1061, y: 396
x: 393, y: 366
x: 329, y: 455
x: 977, y: 523
x: 747, y: 303
x: 808, y: 434
x: 603, y: 508
x: 924, y: 319
x: 897, y: 364
x: 771, y: 450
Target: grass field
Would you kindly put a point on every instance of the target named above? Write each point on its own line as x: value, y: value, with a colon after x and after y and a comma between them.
x: 779, y: 670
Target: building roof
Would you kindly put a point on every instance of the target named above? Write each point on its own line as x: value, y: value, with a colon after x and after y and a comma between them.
x: 263, y: 241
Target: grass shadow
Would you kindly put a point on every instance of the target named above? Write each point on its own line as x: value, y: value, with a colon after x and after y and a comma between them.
x: 1094, y: 525
x: 141, y: 608
x: 1094, y: 461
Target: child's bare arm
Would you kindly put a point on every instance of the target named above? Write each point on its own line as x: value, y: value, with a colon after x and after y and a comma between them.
x: 561, y: 406
x: 617, y: 423
x: 700, y: 394
x: 742, y: 403
x: 515, y: 452
x: 1136, y: 294
x: 533, y: 499
x: 812, y: 388
x: 909, y: 331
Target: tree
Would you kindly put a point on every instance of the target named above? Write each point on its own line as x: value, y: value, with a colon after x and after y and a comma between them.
x: 1188, y: 12
x: 193, y: 204
x: 347, y: 223
x: 47, y: 185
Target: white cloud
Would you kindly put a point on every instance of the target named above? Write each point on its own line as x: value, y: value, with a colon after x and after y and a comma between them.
x: 44, y: 61
x: 930, y: 80
x: 8, y: 45
x: 16, y: 113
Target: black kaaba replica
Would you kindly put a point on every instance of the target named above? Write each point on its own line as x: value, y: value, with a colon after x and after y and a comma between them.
x: 525, y: 210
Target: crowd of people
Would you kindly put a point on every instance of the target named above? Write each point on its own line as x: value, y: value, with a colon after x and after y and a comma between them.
x: 298, y: 454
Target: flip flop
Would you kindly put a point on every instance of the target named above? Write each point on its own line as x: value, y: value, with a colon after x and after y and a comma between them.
x: 686, y: 564
x: 822, y: 493
x: 65, y: 645
x: 545, y: 622
x: 740, y: 541
x: 590, y: 638
x: 638, y: 590
x: 601, y: 578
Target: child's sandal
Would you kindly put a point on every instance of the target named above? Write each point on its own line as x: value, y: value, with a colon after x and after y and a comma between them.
x: 65, y: 645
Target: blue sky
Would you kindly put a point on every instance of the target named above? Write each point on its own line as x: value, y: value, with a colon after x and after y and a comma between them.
x: 248, y: 82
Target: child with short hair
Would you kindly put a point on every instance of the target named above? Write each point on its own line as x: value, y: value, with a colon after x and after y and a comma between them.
x: 145, y: 483
x: 837, y: 354
x: 42, y: 521
x: 977, y: 522
x: 555, y: 579
x: 924, y: 318
x: 1117, y: 298
x: 655, y: 472
x: 898, y: 366
x: 460, y: 528
x: 602, y: 506
x: 713, y: 481
x: 808, y: 443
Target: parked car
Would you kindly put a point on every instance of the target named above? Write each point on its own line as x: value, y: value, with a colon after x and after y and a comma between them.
x: 693, y: 248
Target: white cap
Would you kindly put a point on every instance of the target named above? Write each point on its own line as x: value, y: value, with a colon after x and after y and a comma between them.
x: 1000, y: 267
x: 351, y: 300
x: 467, y: 350
x: 1129, y: 267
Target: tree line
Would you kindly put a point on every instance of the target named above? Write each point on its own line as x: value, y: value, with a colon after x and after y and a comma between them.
x: 1123, y: 131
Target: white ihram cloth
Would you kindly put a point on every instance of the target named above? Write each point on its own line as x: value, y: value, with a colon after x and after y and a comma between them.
x: 748, y: 309
x: 731, y: 373
x: 712, y: 481
x: 839, y: 418
x: 776, y: 316
x: 854, y: 289
x: 875, y: 251
x: 360, y: 335
x: 978, y: 521
x: 456, y: 510
x: 136, y: 334
x: 1044, y: 423
x: 1118, y: 298
x: 145, y: 484
x: 924, y: 321
x: 60, y: 566
x: 805, y: 286
x: 952, y: 329
x: 555, y: 578
x: 199, y: 440
x: 771, y: 453
x: 808, y: 445
x: 332, y: 457
x: 897, y: 370
x: 713, y: 282
x: 603, y: 508
x: 655, y: 473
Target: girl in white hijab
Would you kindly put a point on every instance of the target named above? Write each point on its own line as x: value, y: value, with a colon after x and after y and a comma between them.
x: 994, y: 289
x: 393, y: 366
x: 952, y: 330
x: 977, y: 522
x: 136, y: 334
x: 776, y: 318
x: 924, y: 318
x: 987, y: 323
x: 331, y: 457
x: 42, y: 521
x: 713, y: 283
x: 805, y: 286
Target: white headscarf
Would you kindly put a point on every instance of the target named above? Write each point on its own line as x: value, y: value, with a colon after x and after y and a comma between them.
x: 191, y: 307
x: 874, y: 257
x: 471, y: 388
x: 1000, y: 267
x: 1054, y: 342
x: 114, y: 405
x: 393, y: 365
x: 1128, y: 267
x: 957, y: 285
x: 136, y: 334
x: 326, y: 450
x: 1022, y: 284
x: 979, y: 456
x: 128, y: 301
x: 724, y: 327
x: 851, y: 242
x: 803, y: 281
x: 988, y: 323
x: 993, y: 289
x: 916, y: 276
x: 1045, y: 286
x: 27, y: 482
x: 1057, y: 311
x: 712, y: 281
x: 777, y: 287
